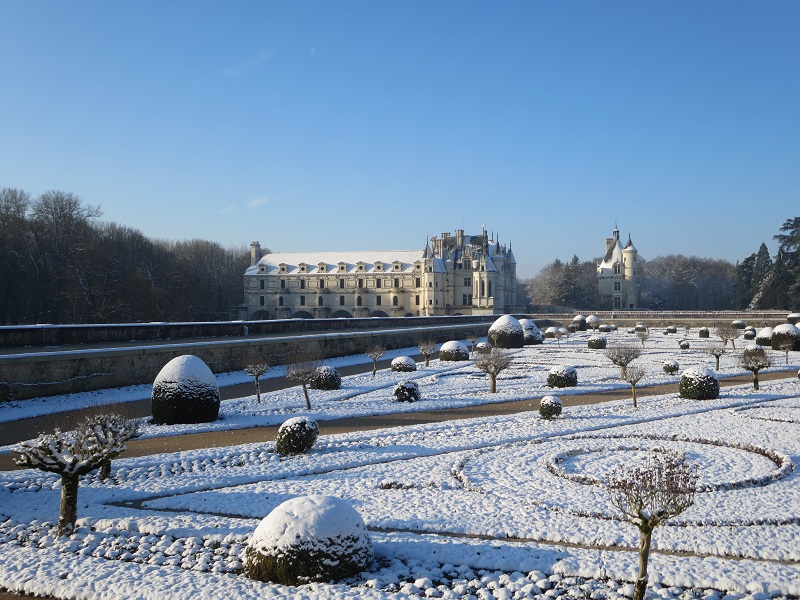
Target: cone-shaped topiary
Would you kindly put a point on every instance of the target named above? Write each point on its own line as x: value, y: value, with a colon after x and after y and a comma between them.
x: 406, y: 391
x: 549, y: 407
x: 454, y: 351
x: 325, y: 378
x: 185, y: 391
x: 597, y: 342
x: 296, y: 436
x: 531, y: 333
x: 506, y: 332
x: 562, y: 376
x: 306, y: 539
x: 698, y: 383
x: 403, y: 364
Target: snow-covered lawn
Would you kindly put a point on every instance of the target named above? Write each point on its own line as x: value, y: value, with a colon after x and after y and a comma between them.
x: 504, y: 507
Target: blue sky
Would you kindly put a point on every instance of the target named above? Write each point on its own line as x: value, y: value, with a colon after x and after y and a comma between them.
x: 344, y: 125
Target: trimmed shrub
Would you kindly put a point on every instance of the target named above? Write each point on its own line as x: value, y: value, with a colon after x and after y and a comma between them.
x: 325, y: 378
x: 307, y: 539
x: 296, y: 436
x: 671, y: 329
x: 793, y: 318
x: 453, y: 351
x: 572, y: 328
x: 737, y: 324
x: 506, y: 332
x: 403, y: 364
x: 632, y: 330
x: 185, y: 391
x: 550, y: 332
x: 531, y: 333
x: 483, y: 348
x: 593, y: 321
x: 604, y: 329
x: 597, y: 342
x: 786, y: 333
x: 406, y: 391
x: 640, y: 327
x: 550, y: 407
x: 671, y: 367
x: 562, y: 376
x: 698, y: 383
x: 703, y: 332
x: 764, y: 337
x: 580, y: 322
x: 749, y: 334
x: 684, y: 344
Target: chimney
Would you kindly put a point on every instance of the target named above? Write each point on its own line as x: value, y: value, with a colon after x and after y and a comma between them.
x: 255, y: 253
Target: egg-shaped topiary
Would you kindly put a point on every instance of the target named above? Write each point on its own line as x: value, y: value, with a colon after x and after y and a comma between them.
x: 597, y: 342
x: 671, y: 329
x: 296, y: 436
x: 453, y: 351
x: 185, y: 391
x: 403, y: 364
x: 506, y: 332
x: 550, y: 407
x: 308, y: 539
x: 406, y: 391
x: 580, y: 322
x: 698, y: 383
x: 593, y: 321
x: 786, y: 336
x: 531, y: 333
x: 562, y: 376
x: 325, y: 378
x: 738, y: 324
x: 684, y: 344
x: 703, y: 332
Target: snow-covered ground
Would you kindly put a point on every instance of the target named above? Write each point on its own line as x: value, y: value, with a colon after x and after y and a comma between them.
x: 503, y: 507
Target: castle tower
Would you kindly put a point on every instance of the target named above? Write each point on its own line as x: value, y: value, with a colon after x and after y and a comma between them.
x: 618, y: 272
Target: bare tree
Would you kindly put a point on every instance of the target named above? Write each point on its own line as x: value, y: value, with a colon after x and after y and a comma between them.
x: 256, y: 369
x: 622, y: 355
x: 426, y: 349
x: 726, y: 333
x: 302, y: 365
x: 493, y: 363
x: 754, y: 359
x: 786, y: 345
x: 71, y: 454
x: 375, y: 352
x: 471, y: 338
x: 716, y: 352
x: 643, y: 335
x: 649, y: 495
x: 633, y: 374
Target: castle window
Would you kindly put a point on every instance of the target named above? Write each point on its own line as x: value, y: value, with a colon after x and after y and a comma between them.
x: 280, y: 300
x: 341, y: 283
x: 490, y: 288
x: 261, y: 284
x: 322, y: 284
x: 467, y: 281
x: 261, y: 300
x: 319, y: 300
x: 396, y: 282
x: 302, y: 284
x: 378, y: 301
x: 283, y: 284
x: 377, y: 283
x: 394, y: 301
x: 417, y: 282
x: 341, y: 300
x: 416, y: 299
x: 358, y: 301
x: 616, y: 286
x: 302, y: 300
x: 361, y: 283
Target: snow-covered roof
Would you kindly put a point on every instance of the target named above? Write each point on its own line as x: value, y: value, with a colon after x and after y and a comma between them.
x: 613, y: 256
x: 358, y: 261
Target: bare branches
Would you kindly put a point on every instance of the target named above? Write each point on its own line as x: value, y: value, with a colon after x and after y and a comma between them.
x: 716, y: 352
x: 493, y: 363
x: 302, y: 367
x: 622, y: 356
x: 633, y: 374
x: 426, y: 349
x: 375, y: 352
x: 754, y: 359
x: 256, y: 369
x: 726, y: 333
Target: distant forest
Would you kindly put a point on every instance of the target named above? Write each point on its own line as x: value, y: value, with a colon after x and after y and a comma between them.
x: 60, y: 264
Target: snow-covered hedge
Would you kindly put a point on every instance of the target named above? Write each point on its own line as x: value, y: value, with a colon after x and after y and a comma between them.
x: 403, y: 364
x: 549, y: 407
x: 671, y: 367
x: 580, y: 322
x: 326, y: 378
x: 562, y: 376
x: 597, y: 342
x: 593, y: 321
x: 185, y: 391
x: 786, y: 333
x: 640, y: 327
x: 671, y: 329
x: 406, y: 391
x: 684, y: 344
x: 764, y: 336
x: 307, y: 539
x: 698, y: 383
x: 605, y: 328
x: 550, y: 332
x: 506, y: 332
x: 793, y: 318
x: 454, y: 351
x: 531, y: 333
x: 296, y: 436
x: 483, y: 348
x: 749, y: 334
x: 703, y: 332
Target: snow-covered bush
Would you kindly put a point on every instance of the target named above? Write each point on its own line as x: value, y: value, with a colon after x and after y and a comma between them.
x: 698, y: 383
x: 562, y: 376
x: 738, y: 324
x: 597, y: 342
x: 704, y: 332
x: 185, y: 391
x: 605, y: 328
x: 793, y: 318
x: 306, y: 539
x: 764, y: 336
x: 580, y: 322
x: 550, y: 407
x: 483, y: 348
x: 531, y: 333
x: 640, y: 327
x: 406, y: 391
x: 550, y: 332
x: 296, y: 436
x: 325, y: 378
x: 786, y: 336
x: 671, y: 367
x: 453, y: 351
x: 593, y: 321
x: 684, y: 344
x: 749, y: 334
x: 403, y: 364
x: 671, y: 329
x: 572, y: 328
x: 506, y: 332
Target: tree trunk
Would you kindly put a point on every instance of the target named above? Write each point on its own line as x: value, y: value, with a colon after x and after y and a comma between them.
x: 105, y: 470
x: 305, y: 393
x: 68, y: 510
x: 428, y: 359
x: 258, y: 391
x: 374, y: 367
x: 717, y: 369
x: 492, y: 383
x: 633, y: 389
x: 644, y: 556
x: 755, y: 380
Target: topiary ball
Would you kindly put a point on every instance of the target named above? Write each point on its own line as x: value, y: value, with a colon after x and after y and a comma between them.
x: 325, y: 378
x: 698, y: 383
x: 671, y: 367
x: 550, y: 332
x: 506, y: 332
x: 593, y: 321
x: 597, y: 342
x: 749, y: 334
x: 764, y: 337
x: 580, y: 322
x: 786, y: 334
x: 296, y: 436
x: 684, y: 345
x: 572, y: 328
x: 185, y: 391
x: 550, y: 407
x: 307, y: 539
x: 562, y: 376
x: 640, y: 327
x: 454, y: 351
x: 605, y: 328
x: 531, y: 334
x: 703, y: 332
x: 406, y: 391
x: 671, y: 329
x: 793, y: 318
x: 483, y: 348
x: 738, y: 324
x: 403, y: 364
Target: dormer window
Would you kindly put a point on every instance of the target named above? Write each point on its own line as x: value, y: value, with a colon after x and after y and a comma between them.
x: 396, y: 266
x: 417, y: 266
x: 302, y: 267
x: 322, y: 267
x: 262, y: 269
x: 342, y: 266
x: 360, y: 266
x: 378, y: 265
x: 282, y: 267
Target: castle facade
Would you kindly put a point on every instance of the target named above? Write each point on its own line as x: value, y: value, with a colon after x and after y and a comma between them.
x: 618, y: 273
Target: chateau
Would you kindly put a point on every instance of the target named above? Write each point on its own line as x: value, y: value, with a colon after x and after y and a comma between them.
x: 453, y: 275
x: 618, y: 272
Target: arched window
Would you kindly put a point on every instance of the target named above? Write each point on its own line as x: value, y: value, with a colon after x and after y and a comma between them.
x: 280, y: 300
x: 394, y: 300
x: 358, y: 301
x: 319, y: 300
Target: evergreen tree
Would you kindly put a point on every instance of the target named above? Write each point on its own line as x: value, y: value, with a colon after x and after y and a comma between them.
x: 762, y: 270
x: 743, y: 287
x: 790, y: 246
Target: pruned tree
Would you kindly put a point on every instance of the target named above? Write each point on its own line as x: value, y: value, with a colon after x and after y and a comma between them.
x: 256, y: 369
x: 727, y: 333
x: 375, y: 352
x: 648, y: 496
x: 302, y: 365
x: 471, y: 338
x: 426, y: 349
x: 633, y: 374
x: 493, y: 363
x: 753, y: 359
x: 622, y: 355
x: 643, y: 335
x: 72, y: 454
x: 716, y: 352
x: 786, y: 345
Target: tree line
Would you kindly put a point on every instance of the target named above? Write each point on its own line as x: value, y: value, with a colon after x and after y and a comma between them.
x: 60, y: 264
x: 677, y: 282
